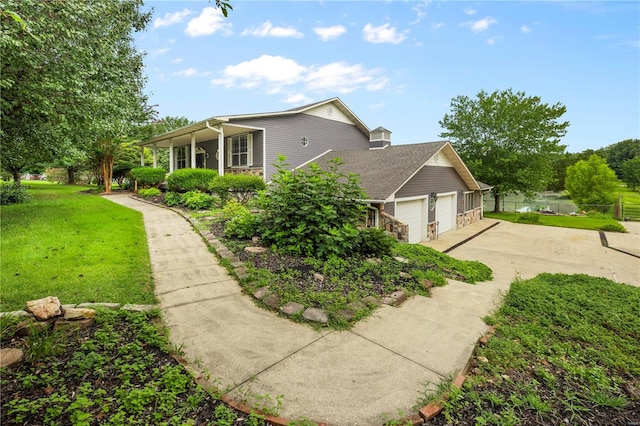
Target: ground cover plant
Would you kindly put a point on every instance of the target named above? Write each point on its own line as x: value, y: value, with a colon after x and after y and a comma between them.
x: 595, y: 221
x: 566, y: 350
x: 117, y: 372
x: 79, y: 247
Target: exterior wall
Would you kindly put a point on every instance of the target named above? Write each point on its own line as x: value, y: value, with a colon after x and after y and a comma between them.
x: 400, y: 230
x: 432, y: 179
x: 390, y: 208
x: 467, y: 218
x: 283, y: 136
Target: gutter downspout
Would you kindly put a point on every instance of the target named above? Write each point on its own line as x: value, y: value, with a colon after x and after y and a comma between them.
x: 220, y: 153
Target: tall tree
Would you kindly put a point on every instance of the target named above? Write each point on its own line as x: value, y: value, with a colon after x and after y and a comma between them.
x: 620, y: 152
x: 71, y: 76
x: 506, y: 139
x: 591, y: 182
x: 631, y: 173
x: 158, y: 127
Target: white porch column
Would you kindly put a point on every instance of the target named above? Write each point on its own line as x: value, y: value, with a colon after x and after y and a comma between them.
x: 142, y: 156
x: 193, y: 151
x: 221, y: 155
x: 171, y: 156
x: 155, y: 155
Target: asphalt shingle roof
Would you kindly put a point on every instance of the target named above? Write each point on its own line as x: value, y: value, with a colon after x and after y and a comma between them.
x: 383, y: 171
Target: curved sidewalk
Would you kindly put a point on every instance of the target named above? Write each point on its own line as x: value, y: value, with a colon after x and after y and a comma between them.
x: 377, y: 370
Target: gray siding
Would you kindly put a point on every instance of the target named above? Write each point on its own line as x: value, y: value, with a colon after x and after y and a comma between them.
x: 390, y: 208
x: 212, y: 146
x: 433, y: 179
x: 283, y: 136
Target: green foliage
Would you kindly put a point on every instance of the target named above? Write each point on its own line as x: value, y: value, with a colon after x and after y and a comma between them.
x: 613, y: 227
x: 631, y: 172
x: 591, y: 182
x: 312, y: 212
x: 594, y: 221
x: 197, y: 200
x: 13, y: 193
x: 172, y: 199
x: 374, y: 242
x: 148, y: 176
x: 243, y: 225
x: 150, y: 192
x: 183, y: 180
x: 530, y: 218
x: 241, y: 186
x: 42, y: 344
x: 619, y: 153
x: 506, y: 139
x: 233, y: 209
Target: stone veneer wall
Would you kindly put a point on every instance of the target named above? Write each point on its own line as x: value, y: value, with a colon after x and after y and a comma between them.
x: 468, y: 218
x: 254, y: 172
x: 400, y: 230
x: 432, y: 231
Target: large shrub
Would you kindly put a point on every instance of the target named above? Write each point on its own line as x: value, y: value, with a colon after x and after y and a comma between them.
x: 241, y: 186
x: 312, y: 212
x: 148, y: 176
x: 592, y: 183
x: 13, y: 194
x: 184, y: 180
x: 197, y: 200
x: 374, y: 242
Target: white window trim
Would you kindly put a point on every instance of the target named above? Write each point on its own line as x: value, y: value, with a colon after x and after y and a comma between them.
x: 464, y: 200
x: 249, y: 151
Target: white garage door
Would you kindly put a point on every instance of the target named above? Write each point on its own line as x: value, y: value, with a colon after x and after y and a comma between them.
x: 444, y: 212
x: 412, y: 213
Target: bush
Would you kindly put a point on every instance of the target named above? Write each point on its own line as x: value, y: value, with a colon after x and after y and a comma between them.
x: 197, y: 200
x: 148, y: 176
x: 184, y: 180
x: 530, y: 218
x: 56, y: 174
x: 13, y: 193
x: 612, y: 227
x: 150, y: 192
x: 374, y: 242
x: 232, y: 209
x: 312, y: 212
x: 243, y: 226
x: 172, y: 199
x: 242, y: 186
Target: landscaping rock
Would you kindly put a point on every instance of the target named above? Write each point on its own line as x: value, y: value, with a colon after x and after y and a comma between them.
x: 375, y: 260
x: 272, y: 300
x: 395, y: 299
x: 401, y: 259
x: 318, y: 277
x: 356, y: 306
x: 292, y: 308
x: 64, y: 325
x: 371, y: 301
x: 43, y: 309
x: 138, y: 308
x: 315, y: 315
x: 428, y: 284
x: 10, y: 357
x: 345, y: 315
x: 114, y: 306
x: 26, y: 327
x: 255, y: 250
x: 632, y: 391
x: 405, y: 275
x: 261, y: 293
x: 79, y: 313
x: 15, y: 314
x: 483, y: 359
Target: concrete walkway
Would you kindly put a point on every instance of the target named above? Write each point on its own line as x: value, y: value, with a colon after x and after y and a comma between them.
x: 377, y: 370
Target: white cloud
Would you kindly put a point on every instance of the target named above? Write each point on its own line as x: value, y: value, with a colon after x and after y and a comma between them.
x: 492, y: 40
x: 330, y: 33
x: 210, y: 21
x: 268, y: 30
x: 277, y: 74
x: 438, y: 25
x: 469, y: 11
x: 526, y: 29
x: 382, y: 34
x: 421, y: 10
x: 297, y: 98
x: 160, y: 51
x: 482, y: 24
x: 171, y: 18
x: 176, y: 60
x: 192, y: 72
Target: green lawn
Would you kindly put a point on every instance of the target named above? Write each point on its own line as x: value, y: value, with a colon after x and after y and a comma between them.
x: 578, y: 222
x: 76, y: 246
x: 565, y: 351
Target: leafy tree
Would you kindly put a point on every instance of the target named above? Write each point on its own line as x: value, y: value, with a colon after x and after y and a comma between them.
x: 560, y: 164
x: 71, y: 76
x: 312, y: 212
x: 506, y: 139
x: 591, y: 182
x: 158, y: 127
x: 620, y: 152
x: 631, y: 173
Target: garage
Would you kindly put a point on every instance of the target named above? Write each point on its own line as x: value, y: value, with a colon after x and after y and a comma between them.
x: 413, y: 214
x: 445, y: 208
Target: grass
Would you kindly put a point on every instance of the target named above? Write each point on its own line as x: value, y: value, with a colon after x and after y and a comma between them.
x: 118, y: 372
x: 595, y: 223
x: 565, y: 348
x: 76, y: 246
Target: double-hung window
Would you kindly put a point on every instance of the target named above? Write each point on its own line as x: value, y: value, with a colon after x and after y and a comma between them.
x: 181, y: 157
x: 240, y: 151
x: 468, y: 201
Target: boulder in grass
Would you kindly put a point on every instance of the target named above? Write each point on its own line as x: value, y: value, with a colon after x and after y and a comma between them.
x: 46, y: 308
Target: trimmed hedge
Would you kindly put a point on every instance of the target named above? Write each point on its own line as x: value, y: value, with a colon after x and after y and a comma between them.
x: 148, y: 176
x: 184, y: 180
x: 243, y: 186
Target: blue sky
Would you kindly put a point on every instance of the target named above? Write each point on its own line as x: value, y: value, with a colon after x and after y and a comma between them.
x: 398, y: 64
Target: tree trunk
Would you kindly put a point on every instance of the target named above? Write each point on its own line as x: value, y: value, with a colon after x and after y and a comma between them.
x: 71, y: 175
x: 16, y: 176
x: 496, y: 206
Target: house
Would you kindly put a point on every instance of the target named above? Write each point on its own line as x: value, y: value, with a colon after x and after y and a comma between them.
x: 417, y: 191
x: 251, y: 143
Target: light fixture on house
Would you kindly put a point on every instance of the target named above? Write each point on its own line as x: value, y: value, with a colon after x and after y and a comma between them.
x: 304, y: 141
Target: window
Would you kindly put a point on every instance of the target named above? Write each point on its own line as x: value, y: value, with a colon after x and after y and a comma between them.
x: 181, y: 157
x: 240, y: 151
x: 468, y: 201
